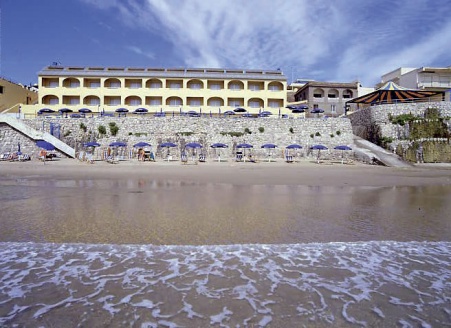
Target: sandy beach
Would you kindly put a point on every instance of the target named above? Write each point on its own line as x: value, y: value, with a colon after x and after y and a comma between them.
x: 305, y: 172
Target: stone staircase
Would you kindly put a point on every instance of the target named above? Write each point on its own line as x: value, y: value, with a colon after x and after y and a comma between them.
x: 37, y: 135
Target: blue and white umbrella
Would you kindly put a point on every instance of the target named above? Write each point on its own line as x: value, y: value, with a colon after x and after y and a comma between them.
x: 319, y: 148
x: 342, y: 148
x: 141, y: 144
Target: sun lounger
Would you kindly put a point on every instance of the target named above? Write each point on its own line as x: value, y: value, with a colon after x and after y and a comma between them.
x: 112, y: 160
x: 239, y: 158
x: 202, y: 158
x: 184, y: 158
x: 289, y: 159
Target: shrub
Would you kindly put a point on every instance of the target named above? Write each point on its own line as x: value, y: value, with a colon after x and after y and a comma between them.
x: 83, y: 127
x: 312, y: 135
x: 332, y: 135
x: 114, y: 129
x: 338, y: 132
x: 318, y: 134
x: 261, y: 129
x: 291, y: 130
x: 403, y: 118
x: 187, y: 134
x: 101, y: 129
x: 67, y: 133
x: 246, y: 130
x: 130, y: 133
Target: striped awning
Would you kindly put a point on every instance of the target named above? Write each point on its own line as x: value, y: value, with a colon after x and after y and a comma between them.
x: 391, y: 92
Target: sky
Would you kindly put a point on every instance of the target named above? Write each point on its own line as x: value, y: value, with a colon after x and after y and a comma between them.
x: 322, y: 40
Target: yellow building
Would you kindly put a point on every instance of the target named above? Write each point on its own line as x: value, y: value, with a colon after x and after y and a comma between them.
x: 13, y: 95
x: 160, y: 89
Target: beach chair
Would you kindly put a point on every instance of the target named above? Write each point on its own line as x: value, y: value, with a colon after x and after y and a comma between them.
x: 110, y: 159
x: 239, y: 157
x: 202, y: 158
x: 289, y: 158
x: 152, y: 156
x: 184, y: 158
x: 4, y: 156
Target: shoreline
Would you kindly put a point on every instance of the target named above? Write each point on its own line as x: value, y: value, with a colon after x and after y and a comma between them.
x: 230, y: 172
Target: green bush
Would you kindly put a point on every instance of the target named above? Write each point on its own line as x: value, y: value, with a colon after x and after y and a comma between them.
x: 101, y: 129
x: 403, y: 119
x: 291, y: 130
x: 312, y: 135
x: 338, y: 132
x: 318, y: 134
x: 246, y: 130
x: 83, y: 127
x: 261, y: 129
x: 332, y: 135
x: 114, y: 129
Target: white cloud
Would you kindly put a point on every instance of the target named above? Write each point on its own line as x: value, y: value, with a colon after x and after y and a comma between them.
x: 141, y: 52
x: 341, y: 40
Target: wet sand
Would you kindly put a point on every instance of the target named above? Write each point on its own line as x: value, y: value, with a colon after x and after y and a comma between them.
x: 263, y: 173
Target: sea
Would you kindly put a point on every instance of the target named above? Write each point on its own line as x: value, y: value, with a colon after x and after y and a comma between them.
x: 133, y: 252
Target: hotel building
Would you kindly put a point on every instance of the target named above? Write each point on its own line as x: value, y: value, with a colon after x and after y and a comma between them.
x: 160, y: 89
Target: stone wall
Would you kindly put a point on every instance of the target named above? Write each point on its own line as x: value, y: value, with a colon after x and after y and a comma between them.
x: 132, y: 129
x: 375, y: 119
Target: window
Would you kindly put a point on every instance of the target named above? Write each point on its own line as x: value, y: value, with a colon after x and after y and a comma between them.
x: 254, y: 104
x: 94, y: 85
x: 1, y: 89
x: 274, y: 87
x: 53, y: 101
x: 215, y: 86
x: 254, y: 87
x: 74, y: 84
x: 135, y: 102
x: 74, y: 101
x: 53, y: 84
x: 235, y: 86
x: 115, y: 102
x: 215, y: 103
x: 194, y: 102
x: 175, y: 102
x: 155, y: 102
x: 195, y: 86
x: 333, y: 108
x: 155, y: 85
x: 174, y: 85
x: 273, y: 104
x: 115, y: 85
x: 135, y: 85
x: 94, y: 101
x: 331, y: 95
x: 317, y: 95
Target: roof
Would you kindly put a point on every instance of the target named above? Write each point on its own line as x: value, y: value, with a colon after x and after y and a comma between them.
x: 391, y: 92
x: 219, y: 73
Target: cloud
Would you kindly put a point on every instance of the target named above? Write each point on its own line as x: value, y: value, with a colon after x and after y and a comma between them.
x: 140, y: 52
x: 341, y: 40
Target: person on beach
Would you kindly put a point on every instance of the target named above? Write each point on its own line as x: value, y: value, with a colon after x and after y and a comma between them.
x: 419, y: 153
x: 43, y: 155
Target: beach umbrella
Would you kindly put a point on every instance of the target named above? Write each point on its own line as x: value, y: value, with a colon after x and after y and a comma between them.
x: 141, y: 144
x: 247, y: 115
x: 168, y: 145
x: 140, y: 110
x: 266, y: 113
x: 121, y: 110
x: 298, y: 111
x: 317, y: 111
x: 193, y: 145
x: 45, y: 145
x: 294, y: 146
x: 91, y: 144
x: 269, y: 146
x: 84, y: 110
x: 65, y: 111
x: 240, y: 110
x: 45, y: 111
x: 118, y: 144
x: 219, y: 145
x: 319, y: 148
x: 229, y: 112
x: 342, y: 148
x: 244, y: 145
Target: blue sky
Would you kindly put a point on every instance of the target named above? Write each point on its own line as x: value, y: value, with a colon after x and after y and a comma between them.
x: 340, y: 40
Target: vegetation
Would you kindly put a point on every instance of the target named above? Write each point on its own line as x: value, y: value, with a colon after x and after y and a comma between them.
x: 332, y: 135
x: 246, y: 130
x: 291, y: 130
x: 232, y: 134
x: 312, y: 135
x: 102, y: 130
x: 338, y: 132
x: 114, y: 129
x: 317, y: 134
x: 403, y: 119
x: 66, y: 133
x: 83, y: 127
x: 186, y: 134
x: 261, y: 129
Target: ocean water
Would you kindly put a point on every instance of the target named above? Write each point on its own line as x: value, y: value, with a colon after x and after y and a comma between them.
x: 149, y: 253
